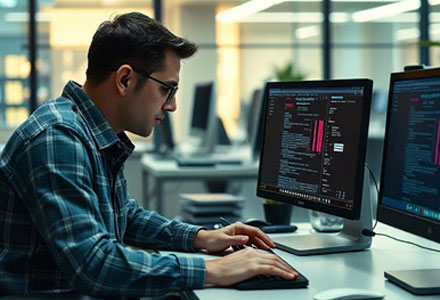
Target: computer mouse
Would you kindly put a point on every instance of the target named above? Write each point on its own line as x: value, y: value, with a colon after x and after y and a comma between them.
x: 348, y: 294
x: 256, y: 223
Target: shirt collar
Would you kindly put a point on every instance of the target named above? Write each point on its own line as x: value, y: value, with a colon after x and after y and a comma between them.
x: 99, y: 127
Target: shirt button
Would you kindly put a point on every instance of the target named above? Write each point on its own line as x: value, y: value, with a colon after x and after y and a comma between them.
x: 119, y: 146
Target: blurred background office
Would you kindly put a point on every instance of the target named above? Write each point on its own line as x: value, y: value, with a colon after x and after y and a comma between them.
x: 242, y: 44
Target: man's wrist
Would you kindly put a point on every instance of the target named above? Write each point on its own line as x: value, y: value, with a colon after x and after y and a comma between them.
x: 199, y: 240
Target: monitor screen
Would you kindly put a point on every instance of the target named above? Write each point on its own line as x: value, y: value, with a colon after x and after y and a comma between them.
x: 202, y: 106
x: 163, y: 136
x: 314, y: 144
x: 410, y: 195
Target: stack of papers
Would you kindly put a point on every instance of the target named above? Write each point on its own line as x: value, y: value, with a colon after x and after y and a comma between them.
x: 205, y: 209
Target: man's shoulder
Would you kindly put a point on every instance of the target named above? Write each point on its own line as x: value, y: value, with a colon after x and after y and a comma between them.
x: 60, y: 112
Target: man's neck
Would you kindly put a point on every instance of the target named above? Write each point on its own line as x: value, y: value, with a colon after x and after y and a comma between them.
x: 102, y: 97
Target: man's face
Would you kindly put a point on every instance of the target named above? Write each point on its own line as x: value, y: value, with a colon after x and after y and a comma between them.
x: 147, y: 106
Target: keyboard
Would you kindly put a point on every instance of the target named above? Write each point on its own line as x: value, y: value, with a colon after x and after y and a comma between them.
x: 268, y: 282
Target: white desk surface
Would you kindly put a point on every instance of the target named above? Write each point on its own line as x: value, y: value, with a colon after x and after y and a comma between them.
x: 362, y: 269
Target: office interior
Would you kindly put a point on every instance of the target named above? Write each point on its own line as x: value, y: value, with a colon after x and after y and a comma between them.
x: 238, y: 55
x: 237, y: 52
x: 43, y: 44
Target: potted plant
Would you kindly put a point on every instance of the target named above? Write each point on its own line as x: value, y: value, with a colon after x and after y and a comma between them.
x: 277, y: 213
x: 288, y: 72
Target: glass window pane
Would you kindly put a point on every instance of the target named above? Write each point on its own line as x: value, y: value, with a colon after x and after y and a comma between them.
x: 64, y: 39
x: 14, y: 65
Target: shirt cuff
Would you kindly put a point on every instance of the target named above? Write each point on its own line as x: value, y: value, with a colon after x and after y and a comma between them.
x: 188, y: 234
x: 192, y: 272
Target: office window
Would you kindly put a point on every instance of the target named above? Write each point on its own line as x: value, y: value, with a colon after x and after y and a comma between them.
x: 14, y: 65
x: 434, y: 34
x: 373, y: 44
x: 64, y: 37
x: 241, y: 55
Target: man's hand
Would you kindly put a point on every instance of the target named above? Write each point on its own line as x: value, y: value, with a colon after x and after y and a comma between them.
x: 235, y: 234
x: 245, y: 264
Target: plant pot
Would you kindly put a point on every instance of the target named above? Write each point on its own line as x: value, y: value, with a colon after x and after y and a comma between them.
x: 277, y: 214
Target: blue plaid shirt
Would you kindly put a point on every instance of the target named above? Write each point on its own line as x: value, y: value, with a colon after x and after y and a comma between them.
x: 66, y: 218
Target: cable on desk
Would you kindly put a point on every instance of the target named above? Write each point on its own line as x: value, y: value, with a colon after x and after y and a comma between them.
x: 368, y: 232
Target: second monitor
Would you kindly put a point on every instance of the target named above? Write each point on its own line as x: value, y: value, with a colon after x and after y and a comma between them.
x: 313, y: 156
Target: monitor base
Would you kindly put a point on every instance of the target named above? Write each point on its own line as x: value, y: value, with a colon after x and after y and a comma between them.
x: 349, y: 239
x: 418, y: 282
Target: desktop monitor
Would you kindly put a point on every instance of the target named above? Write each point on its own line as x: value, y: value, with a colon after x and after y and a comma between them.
x: 254, y: 113
x: 163, y: 136
x: 409, y: 198
x: 313, y: 155
x: 256, y: 135
x: 204, y: 121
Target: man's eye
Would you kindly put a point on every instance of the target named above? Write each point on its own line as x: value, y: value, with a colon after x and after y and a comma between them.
x: 165, y: 89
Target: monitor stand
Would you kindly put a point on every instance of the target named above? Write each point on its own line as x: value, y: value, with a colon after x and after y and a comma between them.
x: 349, y: 239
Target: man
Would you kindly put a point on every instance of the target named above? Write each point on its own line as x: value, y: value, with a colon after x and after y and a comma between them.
x: 66, y: 219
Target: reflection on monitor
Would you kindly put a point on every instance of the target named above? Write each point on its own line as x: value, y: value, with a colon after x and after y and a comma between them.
x: 410, y: 194
x: 313, y: 155
x: 203, y: 122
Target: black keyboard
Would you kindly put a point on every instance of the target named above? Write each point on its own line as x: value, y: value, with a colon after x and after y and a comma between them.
x: 267, y: 282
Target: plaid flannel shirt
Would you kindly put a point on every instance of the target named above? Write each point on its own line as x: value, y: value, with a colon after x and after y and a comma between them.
x: 66, y: 217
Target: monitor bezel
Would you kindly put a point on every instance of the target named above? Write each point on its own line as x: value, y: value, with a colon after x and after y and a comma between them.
x: 412, y: 223
x: 353, y: 214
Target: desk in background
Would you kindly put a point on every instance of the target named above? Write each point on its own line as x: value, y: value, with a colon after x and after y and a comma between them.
x: 361, y: 269
x: 161, y: 170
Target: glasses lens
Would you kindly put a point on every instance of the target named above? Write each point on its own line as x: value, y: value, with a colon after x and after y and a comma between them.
x: 171, y: 95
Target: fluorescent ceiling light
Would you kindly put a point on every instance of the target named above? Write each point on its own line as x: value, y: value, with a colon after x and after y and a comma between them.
x: 307, y: 32
x: 290, y: 17
x: 8, y: 3
x: 407, y: 34
x: 414, y: 32
x: 237, y: 13
x: 24, y: 17
x: 246, y: 9
x: 385, y: 10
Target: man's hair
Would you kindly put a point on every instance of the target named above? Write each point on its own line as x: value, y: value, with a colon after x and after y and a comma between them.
x: 133, y: 39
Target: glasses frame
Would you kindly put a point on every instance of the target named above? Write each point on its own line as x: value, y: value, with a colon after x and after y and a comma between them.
x: 173, y: 88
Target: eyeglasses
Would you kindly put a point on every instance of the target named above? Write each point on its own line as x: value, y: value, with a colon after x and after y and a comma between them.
x: 172, y: 89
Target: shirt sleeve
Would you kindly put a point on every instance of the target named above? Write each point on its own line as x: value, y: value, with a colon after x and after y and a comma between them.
x: 54, y: 179
x: 147, y: 229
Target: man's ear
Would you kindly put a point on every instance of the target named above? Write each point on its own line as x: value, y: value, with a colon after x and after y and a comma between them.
x: 124, y: 79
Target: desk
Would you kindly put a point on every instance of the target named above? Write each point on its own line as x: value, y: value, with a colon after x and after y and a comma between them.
x: 162, y: 170
x: 362, y: 269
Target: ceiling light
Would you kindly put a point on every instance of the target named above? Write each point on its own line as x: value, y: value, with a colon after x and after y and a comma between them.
x: 307, y: 32
x: 237, y: 13
x: 291, y: 17
x: 245, y: 9
x: 414, y: 32
x: 385, y: 10
x: 24, y: 17
x: 8, y: 3
x: 407, y: 34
